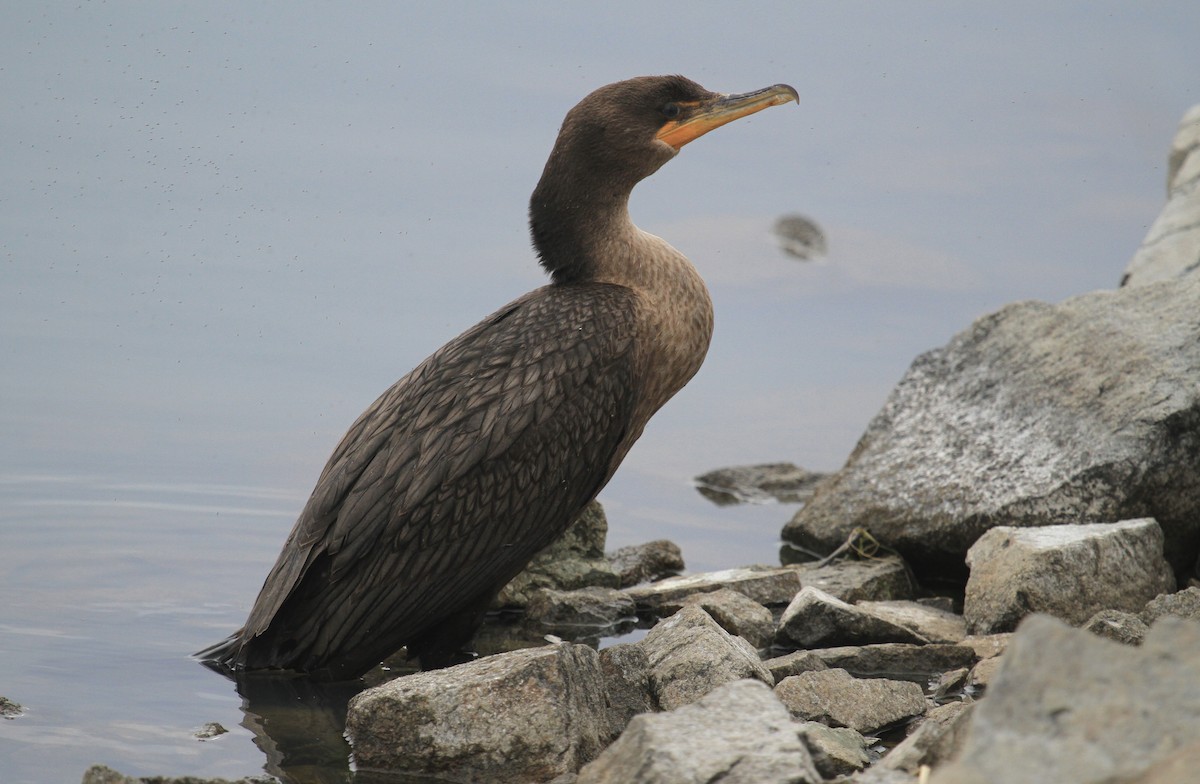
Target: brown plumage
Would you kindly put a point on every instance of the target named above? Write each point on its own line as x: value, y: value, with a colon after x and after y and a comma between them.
x: 465, y: 468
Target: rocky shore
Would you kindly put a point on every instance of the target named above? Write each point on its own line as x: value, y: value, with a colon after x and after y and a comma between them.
x: 1012, y: 595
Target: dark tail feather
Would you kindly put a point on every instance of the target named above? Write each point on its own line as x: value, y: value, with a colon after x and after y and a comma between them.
x: 222, y: 657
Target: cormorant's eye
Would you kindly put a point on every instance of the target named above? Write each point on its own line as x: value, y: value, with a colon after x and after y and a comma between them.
x: 670, y: 110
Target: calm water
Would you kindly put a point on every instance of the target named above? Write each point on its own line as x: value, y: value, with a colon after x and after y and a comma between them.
x: 226, y: 229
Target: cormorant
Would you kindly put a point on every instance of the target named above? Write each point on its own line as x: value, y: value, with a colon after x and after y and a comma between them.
x: 457, y: 475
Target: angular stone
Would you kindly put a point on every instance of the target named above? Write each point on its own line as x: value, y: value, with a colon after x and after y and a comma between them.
x: 837, y: 698
x: 1185, y: 604
x: 689, y: 654
x: 735, y: 612
x: 853, y: 580
x: 1035, y: 415
x: 1118, y: 626
x: 1068, y: 571
x: 1070, y: 707
x: 626, y: 684
x: 766, y: 585
x: 931, y: 623
x: 592, y: 607
x: 529, y: 715
x: 836, y: 751
x: 739, y: 734
x: 794, y: 663
x: 900, y: 660
x: 815, y: 619
x: 981, y: 675
x: 987, y: 645
x: 936, y: 739
x: 639, y: 563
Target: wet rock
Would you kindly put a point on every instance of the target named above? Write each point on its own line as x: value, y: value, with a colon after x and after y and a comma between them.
x: 209, y: 731
x: 800, y: 237
x: 1185, y: 604
x: 931, y: 623
x: 736, y: 614
x: 689, y: 654
x: 854, y: 580
x: 592, y: 607
x: 739, y: 734
x: 529, y: 715
x: 10, y: 709
x: 627, y: 689
x: 575, y: 560
x: 1118, y: 626
x: 766, y: 585
x: 1035, y: 415
x: 836, y: 698
x: 936, y: 739
x: 815, y: 619
x: 950, y: 683
x: 1068, y: 571
x: 896, y: 659
x: 639, y: 563
x: 758, y: 484
x: 101, y: 774
x: 1068, y: 706
x: 794, y: 663
x: 1171, y: 248
x: 836, y: 751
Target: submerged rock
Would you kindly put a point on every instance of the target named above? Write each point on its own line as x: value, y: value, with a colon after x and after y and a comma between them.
x: 1068, y: 571
x: 529, y: 715
x: 756, y: 484
x: 10, y: 709
x: 101, y: 774
x: 739, y: 734
x: 1070, y: 707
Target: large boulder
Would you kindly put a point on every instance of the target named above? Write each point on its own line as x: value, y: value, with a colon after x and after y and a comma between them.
x: 516, y: 717
x: 738, y: 734
x: 1072, y: 708
x: 1171, y: 248
x: 1036, y: 415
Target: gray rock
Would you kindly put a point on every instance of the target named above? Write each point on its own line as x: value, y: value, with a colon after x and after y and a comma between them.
x: 1171, y: 248
x: 950, y: 683
x: 735, y: 612
x: 209, y: 731
x: 1035, y: 415
x: 592, y: 607
x: 899, y: 660
x: 981, y: 675
x: 758, y: 484
x: 794, y: 663
x: 10, y: 709
x: 1179, y: 767
x: 936, y: 739
x: 101, y: 774
x: 1117, y: 626
x: 800, y: 237
x: 766, y: 585
x: 814, y: 619
x: 627, y: 689
x: 689, y: 654
x: 987, y: 645
x: 1185, y: 604
x: 836, y: 751
x: 575, y: 560
x: 856, y: 580
x: 639, y: 563
x: 739, y: 734
x: 1070, y: 707
x: 1068, y: 571
x: 529, y: 715
x: 837, y: 698
x: 931, y: 623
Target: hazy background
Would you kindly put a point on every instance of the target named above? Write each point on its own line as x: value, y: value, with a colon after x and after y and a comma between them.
x: 227, y: 227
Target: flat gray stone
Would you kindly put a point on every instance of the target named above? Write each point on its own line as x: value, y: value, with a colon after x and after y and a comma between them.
x: 856, y: 580
x: 794, y: 663
x: 689, y: 655
x: 814, y: 619
x: 1072, y: 708
x: 837, y: 698
x: 766, y: 585
x: 639, y: 563
x: 1068, y: 571
x: 901, y: 660
x: 836, y: 751
x: 739, y: 734
x: 931, y: 623
x: 735, y: 612
x: 528, y: 715
x: 593, y: 608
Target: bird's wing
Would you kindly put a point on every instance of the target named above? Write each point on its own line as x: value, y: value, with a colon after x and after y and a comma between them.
x: 468, y: 464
